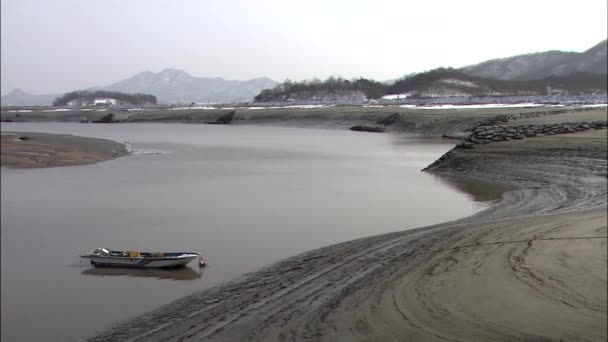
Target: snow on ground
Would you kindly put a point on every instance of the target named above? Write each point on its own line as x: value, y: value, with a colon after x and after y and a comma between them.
x: 293, y: 106
x: 193, y: 107
x: 396, y: 96
x: 595, y: 105
x: 481, y: 106
x: 458, y: 82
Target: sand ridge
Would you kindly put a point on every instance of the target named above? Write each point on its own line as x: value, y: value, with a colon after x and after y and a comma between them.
x: 36, y: 150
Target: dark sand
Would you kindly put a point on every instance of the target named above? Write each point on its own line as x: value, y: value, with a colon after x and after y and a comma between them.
x: 532, y: 268
x: 35, y: 150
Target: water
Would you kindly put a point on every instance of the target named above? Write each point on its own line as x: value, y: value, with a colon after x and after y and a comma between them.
x: 243, y: 196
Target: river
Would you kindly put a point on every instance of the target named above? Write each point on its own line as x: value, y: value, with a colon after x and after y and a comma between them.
x: 243, y: 196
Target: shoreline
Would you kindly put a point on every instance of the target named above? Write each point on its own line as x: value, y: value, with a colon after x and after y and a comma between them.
x: 494, y: 275
x: 27, y: 150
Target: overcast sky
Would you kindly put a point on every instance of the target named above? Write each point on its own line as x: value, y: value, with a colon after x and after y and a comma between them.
x: 62, y: 45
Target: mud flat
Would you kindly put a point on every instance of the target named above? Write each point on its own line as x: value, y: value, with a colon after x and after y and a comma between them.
x: 533, y: 267
x: 36, y: 150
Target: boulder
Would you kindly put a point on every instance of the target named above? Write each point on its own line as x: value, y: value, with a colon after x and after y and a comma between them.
x: 389, y: 120
x: 363, y: 128
x: 224, y: 119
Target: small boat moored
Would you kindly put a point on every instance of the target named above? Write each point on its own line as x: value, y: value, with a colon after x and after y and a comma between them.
x: 109, y: 258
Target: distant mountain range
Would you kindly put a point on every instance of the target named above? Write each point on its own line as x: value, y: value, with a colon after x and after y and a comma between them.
x: 569, y: 71
x: 544, y: 73
x: 543, y: 64
x: 19, y: 97
x: 177, y: 86
x: 447, y: 82
x: 169, y: 86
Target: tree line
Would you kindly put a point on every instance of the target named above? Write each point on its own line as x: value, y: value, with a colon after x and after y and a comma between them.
x: 435, y: 79
x: 87, y: 96
x: 288, y: 89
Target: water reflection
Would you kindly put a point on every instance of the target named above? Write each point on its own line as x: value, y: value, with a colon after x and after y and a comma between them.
x: 181, y: 273
x: 481, y: 191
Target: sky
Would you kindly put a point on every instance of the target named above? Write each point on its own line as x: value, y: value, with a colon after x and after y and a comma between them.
x: 63, y: 45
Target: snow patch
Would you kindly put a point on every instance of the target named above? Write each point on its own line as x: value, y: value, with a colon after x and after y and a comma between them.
x: 458, y: 82
x: 396, y: 96
x: 292, y: 106
x: 193, y: 107
x: 481, y: 106
x: 596, y: 105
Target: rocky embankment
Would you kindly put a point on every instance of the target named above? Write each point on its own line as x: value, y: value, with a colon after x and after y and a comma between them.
x: 486, y: 134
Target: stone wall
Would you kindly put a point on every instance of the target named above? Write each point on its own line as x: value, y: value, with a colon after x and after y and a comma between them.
x: 496, y: 133
x: 504, y: 118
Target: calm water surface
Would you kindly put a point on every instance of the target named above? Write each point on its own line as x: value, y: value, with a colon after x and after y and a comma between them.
x: 243, y: 196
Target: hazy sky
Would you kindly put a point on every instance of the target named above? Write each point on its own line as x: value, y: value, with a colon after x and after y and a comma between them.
x: 61, y: 45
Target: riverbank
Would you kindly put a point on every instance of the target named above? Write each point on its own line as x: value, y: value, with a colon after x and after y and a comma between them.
x: 533, y: 267
x: 37, y: 150
x: 446, y: 121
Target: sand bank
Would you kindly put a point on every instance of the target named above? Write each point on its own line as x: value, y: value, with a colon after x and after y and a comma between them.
x: 533, y: 267
x: 35, y: 150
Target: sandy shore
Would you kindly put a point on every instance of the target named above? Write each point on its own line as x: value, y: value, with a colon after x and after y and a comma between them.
x: 532, y: 268
x: 35, y: 150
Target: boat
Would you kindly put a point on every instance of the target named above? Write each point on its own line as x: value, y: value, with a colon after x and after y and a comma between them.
x: 103, y: 257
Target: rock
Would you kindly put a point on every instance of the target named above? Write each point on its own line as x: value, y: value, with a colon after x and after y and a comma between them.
x: 108, y: 118
x: 224, y: 119
x: 363, y: 128
x: 389, y: 119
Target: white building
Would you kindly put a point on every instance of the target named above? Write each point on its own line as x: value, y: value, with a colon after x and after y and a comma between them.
x: 104, y: 101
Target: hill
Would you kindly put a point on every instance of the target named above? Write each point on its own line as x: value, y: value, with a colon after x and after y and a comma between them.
x: 441, y: 82
x: 331, y: 90
x: 19, y: 97
x: 168, y: 86
x: 445, y: 82
x: 177, y: 86
x: 543, y: 64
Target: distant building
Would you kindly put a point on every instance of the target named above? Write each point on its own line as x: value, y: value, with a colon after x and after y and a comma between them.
x: 104, y: 102
x: 83, y: 102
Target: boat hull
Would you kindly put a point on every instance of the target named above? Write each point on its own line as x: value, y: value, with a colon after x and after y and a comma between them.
x: 102, y: 261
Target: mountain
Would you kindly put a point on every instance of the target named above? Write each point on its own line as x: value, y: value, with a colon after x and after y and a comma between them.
x: 18, y: 97
x: 543, y: 64
x: 406, y: 76
x: 177, y: 86
x: 441, y: 82
x: 169, y: 86
x: 445, y: 82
